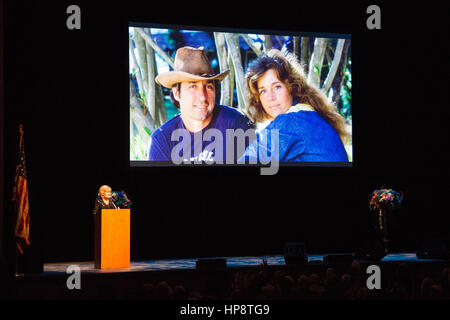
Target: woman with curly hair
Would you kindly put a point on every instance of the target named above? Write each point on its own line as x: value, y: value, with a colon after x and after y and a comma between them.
x: 309, y: 126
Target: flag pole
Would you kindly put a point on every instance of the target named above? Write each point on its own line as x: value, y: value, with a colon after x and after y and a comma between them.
x: 15, y: 198
x: 18, y: 275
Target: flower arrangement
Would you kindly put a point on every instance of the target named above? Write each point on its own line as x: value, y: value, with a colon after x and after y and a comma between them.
x: 381, y: 199
x: 120, y: 198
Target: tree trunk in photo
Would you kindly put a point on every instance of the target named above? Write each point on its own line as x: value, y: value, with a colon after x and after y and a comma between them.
x: 315, y: 65
x: 139, y: 122
x: 296, y: 46
x: 305, y: 54
x: 139, y: 108
x: 233, y: 47
x: 157, y: 99
x: 267, y: 42
x: 280, y: 43
x: 334, y: 65
x: 151, y: 92
x: 137, y: 71
x: 226, y: 92
x: 161, y: 110
x: 142, y: 60
x: 338, y: 80
x: 231, y: 76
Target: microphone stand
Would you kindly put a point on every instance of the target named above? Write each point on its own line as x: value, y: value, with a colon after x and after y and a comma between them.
x: 112, y: 201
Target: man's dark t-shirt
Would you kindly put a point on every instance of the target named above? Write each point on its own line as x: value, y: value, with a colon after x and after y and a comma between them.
x: 203, y: 144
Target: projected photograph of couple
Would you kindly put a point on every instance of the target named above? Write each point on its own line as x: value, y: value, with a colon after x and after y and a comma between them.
x: 212, y: 97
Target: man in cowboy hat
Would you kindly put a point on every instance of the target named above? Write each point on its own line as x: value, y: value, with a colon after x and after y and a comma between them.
x: 193, y: 92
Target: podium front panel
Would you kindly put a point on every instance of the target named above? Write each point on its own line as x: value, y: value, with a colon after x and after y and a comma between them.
x: 114, y: 239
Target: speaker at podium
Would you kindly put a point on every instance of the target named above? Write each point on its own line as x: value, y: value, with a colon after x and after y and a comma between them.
x: 112, y: 239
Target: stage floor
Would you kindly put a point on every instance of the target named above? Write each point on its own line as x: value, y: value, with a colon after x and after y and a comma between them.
x: 186, y: 264
x: 132, y: 282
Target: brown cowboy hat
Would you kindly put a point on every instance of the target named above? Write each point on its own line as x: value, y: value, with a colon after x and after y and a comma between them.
x: 191, y: 64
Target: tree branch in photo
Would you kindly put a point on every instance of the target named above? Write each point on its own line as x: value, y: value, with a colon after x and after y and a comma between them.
x: 139, y: 108
x: 315, y: 65
x: 153, y: 44
x: 338, y: 81
x: 296, y: 46
x: 138, y: 69
x: 233, y: 47
x: 226, y: 92
x: 267, y: 42
x: 142, y: 59
x: 334, y: 65
x: 231, y: 76
x: 251, y: 44
x: 305, y: 54
x: 141, y: 124
x: 151, y: 87
x: 279, y: 41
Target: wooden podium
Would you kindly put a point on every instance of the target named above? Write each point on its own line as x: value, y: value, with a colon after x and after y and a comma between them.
x: 112, y: 239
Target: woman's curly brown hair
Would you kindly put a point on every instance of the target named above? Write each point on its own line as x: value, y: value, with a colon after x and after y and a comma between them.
x: 292, y: 74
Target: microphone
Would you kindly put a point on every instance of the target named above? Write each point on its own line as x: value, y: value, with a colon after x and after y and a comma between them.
x: 112, y: 201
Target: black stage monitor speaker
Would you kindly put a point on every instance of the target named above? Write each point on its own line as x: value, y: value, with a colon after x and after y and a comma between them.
x: 295, y: 253
x: 211, y: 264
x: 371, y: 250
x: 433, y: 248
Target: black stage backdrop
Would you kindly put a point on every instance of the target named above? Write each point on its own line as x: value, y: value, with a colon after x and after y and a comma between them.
x: 70, y: 90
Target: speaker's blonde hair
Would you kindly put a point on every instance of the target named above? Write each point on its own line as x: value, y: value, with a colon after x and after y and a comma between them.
x: 103, y: 188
